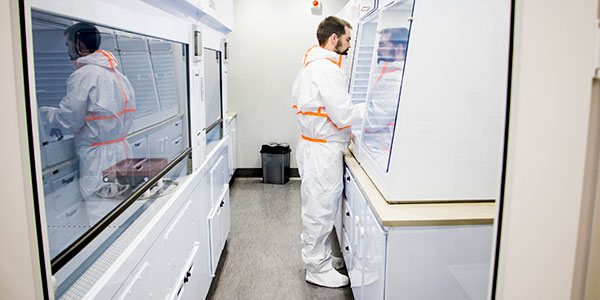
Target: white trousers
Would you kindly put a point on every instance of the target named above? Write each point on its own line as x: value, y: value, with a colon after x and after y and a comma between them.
x: 321, y: 167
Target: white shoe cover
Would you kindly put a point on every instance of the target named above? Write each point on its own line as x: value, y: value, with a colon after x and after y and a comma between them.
x: 337, y: 262
x: 330, y: 278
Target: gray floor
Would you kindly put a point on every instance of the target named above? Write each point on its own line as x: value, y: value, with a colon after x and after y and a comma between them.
x: 262, y: 259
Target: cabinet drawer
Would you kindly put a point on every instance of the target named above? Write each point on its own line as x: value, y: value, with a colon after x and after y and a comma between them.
x: 347, y: 220
x: 66, y: 191
x: 139, y: 148
x: 347, y: 251
x: 59, y: 151
x: 176, y: 146
x: 173, y: 130
x: 351, y: 190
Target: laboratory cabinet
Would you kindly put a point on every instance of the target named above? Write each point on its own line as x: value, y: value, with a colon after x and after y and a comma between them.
x: 433, y: 77
x: 134, y: 203
x: 170, y: 252
x: 412, y: 251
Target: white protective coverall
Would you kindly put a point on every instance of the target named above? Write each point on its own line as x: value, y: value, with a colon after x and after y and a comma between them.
x: 98, y: 109
x: 381, y: 109
x: 324, y: 113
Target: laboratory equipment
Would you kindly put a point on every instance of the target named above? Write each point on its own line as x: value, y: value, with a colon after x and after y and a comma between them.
x: 434, y: 127
x: 81, y: 228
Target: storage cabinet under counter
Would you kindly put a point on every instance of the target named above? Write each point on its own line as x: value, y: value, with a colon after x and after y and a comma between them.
x: 412, y: 251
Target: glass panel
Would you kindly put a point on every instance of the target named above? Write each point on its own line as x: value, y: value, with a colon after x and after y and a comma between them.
x: 213, y: 137
x: 362, y: 66
x: 136, y: 64
x: 85, y: 212
x: 91, y: 159
x: 163, y: 54
x: 212, y: 90
x: 385, y: 82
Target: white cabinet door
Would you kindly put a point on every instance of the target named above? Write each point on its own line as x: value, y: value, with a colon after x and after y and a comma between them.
x: 372, y: 258
x: 218, y: 224
x: 179, y: 240
x: 364, y: 244
x: 147, y: 281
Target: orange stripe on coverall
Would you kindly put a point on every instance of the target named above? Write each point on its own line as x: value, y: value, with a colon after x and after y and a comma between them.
x: 313, y: 140
x: 319, y: 114
x: 121, y: 140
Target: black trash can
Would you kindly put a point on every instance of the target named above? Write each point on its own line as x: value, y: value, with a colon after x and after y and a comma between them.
x: 275, y: 163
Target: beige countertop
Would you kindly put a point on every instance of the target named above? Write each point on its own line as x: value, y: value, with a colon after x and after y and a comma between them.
x: 426, y: 214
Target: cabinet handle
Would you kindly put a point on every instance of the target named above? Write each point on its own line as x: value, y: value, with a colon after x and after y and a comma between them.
x: 137, y: 144
x: 223, y: 203
x: 347, y: 178
x: 70, y: 179
x: 347, y: 213
x: 347, y: 248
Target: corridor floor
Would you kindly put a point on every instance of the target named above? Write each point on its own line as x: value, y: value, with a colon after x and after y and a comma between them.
x: 262, y: 258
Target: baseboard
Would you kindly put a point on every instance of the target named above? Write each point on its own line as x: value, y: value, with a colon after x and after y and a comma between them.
x: 257, y: 172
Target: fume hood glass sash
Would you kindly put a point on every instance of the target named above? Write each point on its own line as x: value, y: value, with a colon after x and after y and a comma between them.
x: 385, y: 82
x: 157, y: 71
x: 213, y: 92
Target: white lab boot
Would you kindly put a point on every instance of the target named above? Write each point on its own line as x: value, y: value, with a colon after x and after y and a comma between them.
x: 337, y: 262
x: 330, y: 278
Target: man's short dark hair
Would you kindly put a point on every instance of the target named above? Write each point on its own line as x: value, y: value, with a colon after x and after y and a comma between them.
x: 329, y: 26
x: 87, y: 33
x: 397, y: 35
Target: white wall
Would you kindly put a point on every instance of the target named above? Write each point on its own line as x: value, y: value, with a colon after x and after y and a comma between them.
x: 266, y: 52
x: 20, y: 276
x: 555, y: 41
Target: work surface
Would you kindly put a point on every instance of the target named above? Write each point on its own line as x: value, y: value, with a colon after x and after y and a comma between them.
x: 426, y: 214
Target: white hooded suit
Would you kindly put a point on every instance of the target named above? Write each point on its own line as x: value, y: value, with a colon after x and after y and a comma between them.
x: 98, y: 108
x: 324, y: 113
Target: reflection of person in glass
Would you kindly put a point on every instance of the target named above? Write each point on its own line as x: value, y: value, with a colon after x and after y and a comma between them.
x: 386, y: 81
x: 98, y: 109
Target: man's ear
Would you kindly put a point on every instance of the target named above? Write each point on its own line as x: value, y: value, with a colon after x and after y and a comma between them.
x: 334, y: 38
x: 399, y: 52
x: 80, y: 47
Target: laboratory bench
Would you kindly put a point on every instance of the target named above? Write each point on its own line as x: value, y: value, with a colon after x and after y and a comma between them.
x: 412, y: 250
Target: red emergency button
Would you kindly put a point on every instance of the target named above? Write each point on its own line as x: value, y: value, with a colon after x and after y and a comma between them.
x: 315, y: 3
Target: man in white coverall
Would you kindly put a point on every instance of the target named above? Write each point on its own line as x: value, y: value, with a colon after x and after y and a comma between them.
x: 325, y: 114
x: 98, y: 108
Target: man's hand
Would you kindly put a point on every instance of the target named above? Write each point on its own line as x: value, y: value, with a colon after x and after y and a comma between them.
x: 56, y: 132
